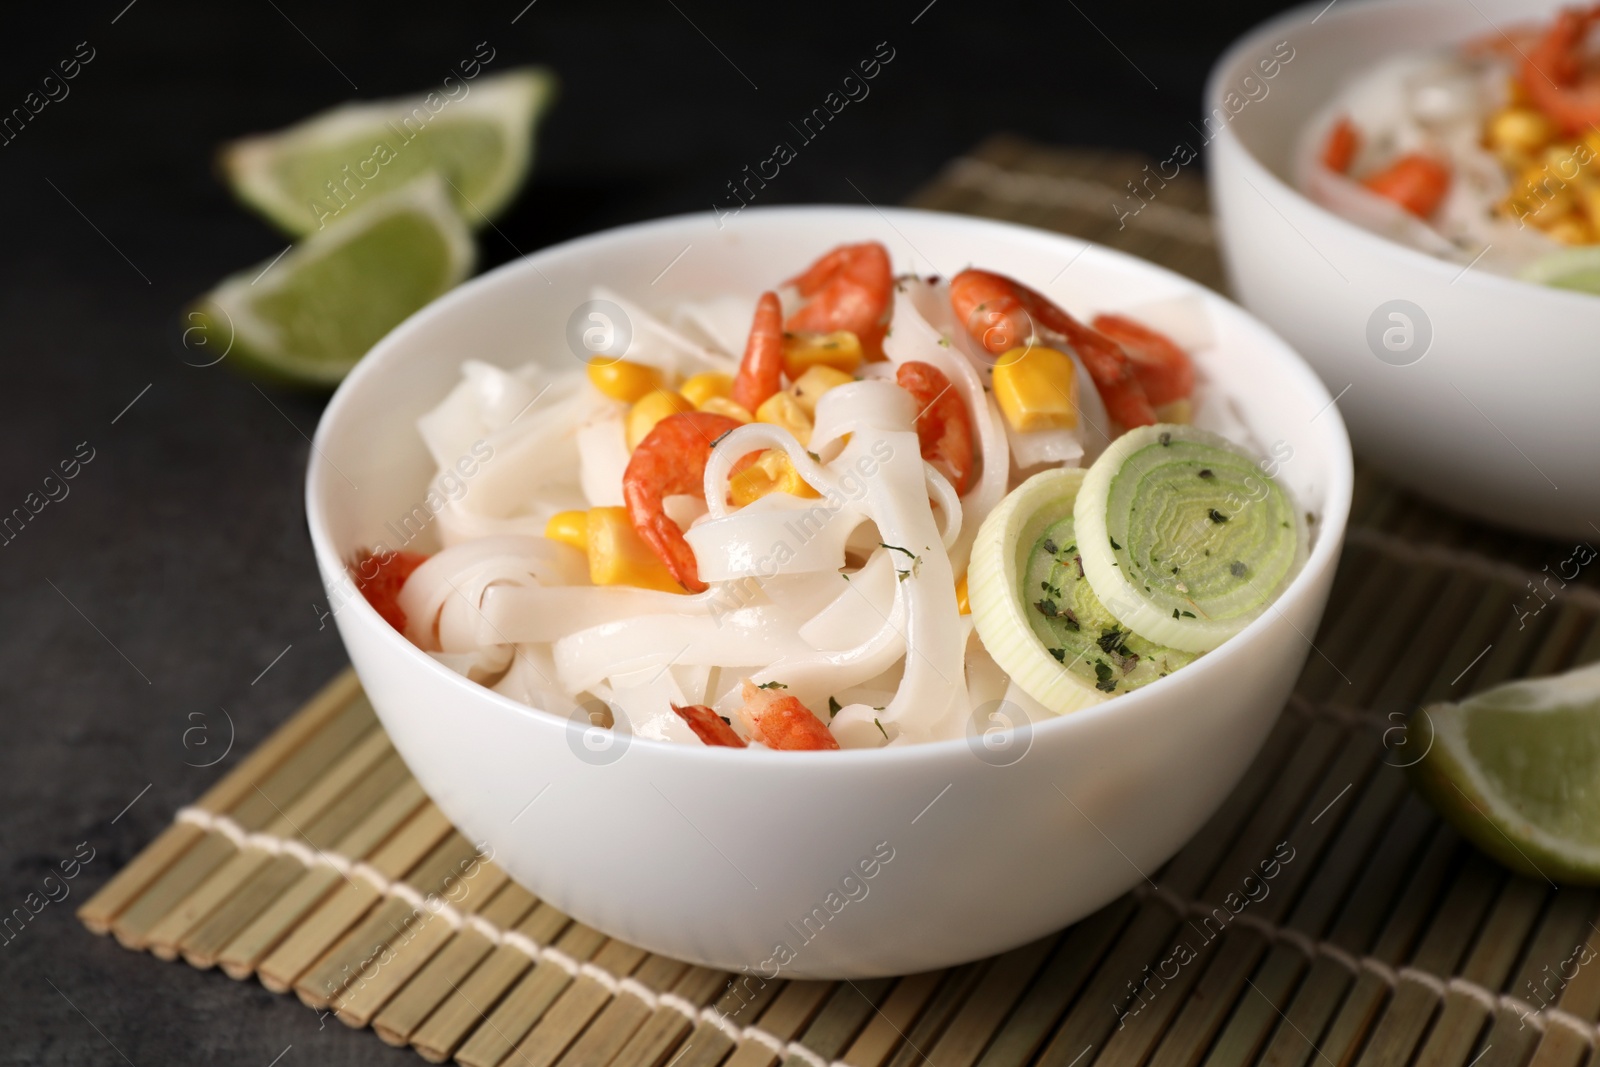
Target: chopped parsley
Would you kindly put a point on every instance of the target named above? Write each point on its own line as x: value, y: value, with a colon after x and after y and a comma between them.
x: 1237, y: 569
x: 881, y: 730
x: 1059, y: 653
x: 772, y: 685
x: 1050, y: 546
x: 1205, y: 472
x: 1112, y: 641
x: 897, y: 548
x: 718, y: 439
x: 834, y: 707
x: 1105, y: 678
x: 1218, y: 517
x: 1165, y: 439
x: 1114, y: 544
x: 1188, y: 614
x: 814, y: 457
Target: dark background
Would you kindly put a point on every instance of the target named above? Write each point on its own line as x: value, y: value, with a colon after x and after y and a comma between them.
x: 158, y: 591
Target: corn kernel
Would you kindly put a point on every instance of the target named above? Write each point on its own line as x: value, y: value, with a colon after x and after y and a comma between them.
x: 840, y: 350
x: 570, y: 528
x: 1037, y: 389
x: 963, y: 605
x: 702, y: 387
x: 772, y: 473
x: 721, y: 405
x: 1519, y: 132
x: 1180, y: 412
x: 619, y: 556
x: 818, y: 379
x: 1571, y: 229
x: 781, y: 409
x: 651, y: 409
x: 624, y: 380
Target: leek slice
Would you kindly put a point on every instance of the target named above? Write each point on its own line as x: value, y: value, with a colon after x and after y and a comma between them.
x: 1184, y: 536
x: 1038, y: 617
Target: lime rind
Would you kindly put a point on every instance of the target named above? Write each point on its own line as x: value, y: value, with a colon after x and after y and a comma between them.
x: 400, y: 252
x: 269, y: 172
x: 1517, y: 770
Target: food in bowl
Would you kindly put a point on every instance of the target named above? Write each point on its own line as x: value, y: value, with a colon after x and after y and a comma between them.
x: 907, y: 498
x: 1483, y: 153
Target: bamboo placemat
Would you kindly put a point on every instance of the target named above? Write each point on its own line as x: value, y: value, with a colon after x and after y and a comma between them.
x: 1372, y: 933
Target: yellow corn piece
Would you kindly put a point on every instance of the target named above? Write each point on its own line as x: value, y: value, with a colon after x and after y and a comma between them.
x: 622, y: 379
x: 1037, y: 389
x: 1571, y: 229
x: 963, y: 605
x: 1180, y: 412
x: 570, y: 528
x: 651, y: 409
x: 619, y: 556
x: 840, y: 350
x: 772, y: 473
x: 1518, y: 133
x: 702, y: 387
x: 781, y: 409
x: 817, y: 379
x: 721, y: 405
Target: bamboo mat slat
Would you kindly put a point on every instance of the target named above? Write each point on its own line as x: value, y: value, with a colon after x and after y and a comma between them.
x: 318, y: 865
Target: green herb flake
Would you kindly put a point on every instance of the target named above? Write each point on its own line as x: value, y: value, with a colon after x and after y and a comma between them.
x: 881, y: 730
x: 897, y: 548
x: 1050, y: 546
x: 1237, y: 569
x: 1165, y: 439
x: 1174, y: 613
x: 772, y: 685
x: 814, y: 457
x: 1047, y: 608
x: 1059, y: 653
x: 1105, y: 677
x: 1207, y: 474
x: 834, y: 707
x: 718, y: 439
x: 1218, y: 517
x: 1188, y: 614
x: 1114, y: 544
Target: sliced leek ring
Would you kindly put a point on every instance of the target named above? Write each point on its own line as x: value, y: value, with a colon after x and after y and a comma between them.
x: 1038, y: 618
x: 1184, y: 537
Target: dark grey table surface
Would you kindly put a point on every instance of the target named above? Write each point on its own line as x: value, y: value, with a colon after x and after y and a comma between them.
x: 166, y: 601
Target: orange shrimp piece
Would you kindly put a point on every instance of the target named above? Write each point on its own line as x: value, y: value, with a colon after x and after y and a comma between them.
x: 944, y: 428
x: 847, y: 289
x: 380, y: 577
x: 1343, y: 142
x: 782, y: 722
x: 1415, y: 182
x: 708, y: 726
x: 1556, y: 75
x: 1000, y: 314
x: 1163, y: 368
x: 761, y: 371
x: 671, y: 461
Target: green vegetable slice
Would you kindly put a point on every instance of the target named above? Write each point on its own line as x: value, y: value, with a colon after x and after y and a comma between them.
x: 1574, y: 268
x: 1038, y: 617
x: 1184, y: 537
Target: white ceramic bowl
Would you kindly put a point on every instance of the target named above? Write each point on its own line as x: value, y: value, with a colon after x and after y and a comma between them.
x: 1496, y: 416
x: 721, y: 856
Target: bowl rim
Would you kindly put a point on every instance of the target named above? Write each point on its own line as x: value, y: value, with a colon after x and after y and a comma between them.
x: 1324, y: 554
x: 1302, y: 16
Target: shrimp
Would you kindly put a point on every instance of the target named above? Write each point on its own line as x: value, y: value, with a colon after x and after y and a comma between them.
x: 1343, y: 142
x: 1000, y: 314
x: 847, y: 289
x: 944, y: 428
x: 380, y: 577
x: 761, y: 371
x: 708, y: 726
x: 1163, y: 368
x: 782, y: 722
x: 671, y: 461
x: 1414, y: 181
x: 1557, y: 77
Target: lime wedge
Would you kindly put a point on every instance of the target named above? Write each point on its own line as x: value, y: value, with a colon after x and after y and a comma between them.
x: 321, y: 171
x: 308, y: 317
x: 1574, y: 268
x: 1516, y: 768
